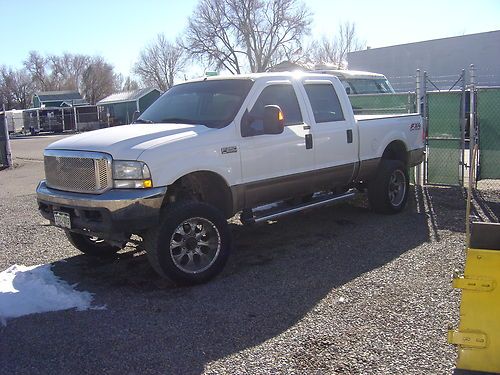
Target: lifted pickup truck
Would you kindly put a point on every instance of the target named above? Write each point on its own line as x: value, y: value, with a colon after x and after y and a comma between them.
x: 210, y: 148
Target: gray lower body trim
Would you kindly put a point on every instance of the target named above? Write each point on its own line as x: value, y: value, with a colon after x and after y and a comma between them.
x: 279, y: 188
x: 367, y: 169
x: 416, y: 157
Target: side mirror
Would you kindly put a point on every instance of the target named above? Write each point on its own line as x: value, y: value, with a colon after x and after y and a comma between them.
x: 273, y: 120
x: 348, y: 90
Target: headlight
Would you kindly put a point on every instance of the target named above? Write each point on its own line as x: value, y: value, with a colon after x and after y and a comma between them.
x: 131, y: 175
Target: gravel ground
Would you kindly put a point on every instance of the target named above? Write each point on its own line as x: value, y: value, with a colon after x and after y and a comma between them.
x: 337, y: 290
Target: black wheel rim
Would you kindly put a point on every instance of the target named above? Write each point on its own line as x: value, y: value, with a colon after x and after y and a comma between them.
x: 195, y: 245
x: 397, y: 187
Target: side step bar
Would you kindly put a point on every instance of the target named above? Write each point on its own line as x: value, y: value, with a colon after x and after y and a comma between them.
x: 258, y: 216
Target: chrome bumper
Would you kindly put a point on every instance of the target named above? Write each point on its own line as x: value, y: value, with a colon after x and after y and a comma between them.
x: 118, y: 210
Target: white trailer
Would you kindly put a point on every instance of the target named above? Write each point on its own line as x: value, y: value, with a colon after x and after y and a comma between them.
x: 15, y: 120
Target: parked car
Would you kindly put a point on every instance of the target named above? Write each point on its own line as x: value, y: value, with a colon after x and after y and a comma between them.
x: 359, y: 82
x: 210, y: 148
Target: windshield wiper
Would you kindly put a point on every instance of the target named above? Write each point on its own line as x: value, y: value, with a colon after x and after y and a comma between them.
x: 178, y: 120
x: 142, y: 121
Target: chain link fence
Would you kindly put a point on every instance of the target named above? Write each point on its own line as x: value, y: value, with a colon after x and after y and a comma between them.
x: 380, y: 104
x: 58, y: 120
x: 462, y: 123
x: 484, y: 178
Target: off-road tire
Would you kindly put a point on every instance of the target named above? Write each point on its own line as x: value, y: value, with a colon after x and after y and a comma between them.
x: 91, y: 245
x: 167, y: 244
x: 383, y: 193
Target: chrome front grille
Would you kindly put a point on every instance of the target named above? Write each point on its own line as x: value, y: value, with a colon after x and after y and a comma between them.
x: 78, y: 171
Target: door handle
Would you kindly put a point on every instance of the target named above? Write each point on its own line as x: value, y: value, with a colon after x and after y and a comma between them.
x: 309, y: 141
x: 349, y: 135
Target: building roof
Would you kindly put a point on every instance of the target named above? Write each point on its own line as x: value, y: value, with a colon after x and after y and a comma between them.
x: 74, y: 103
x: 494, y: 33
x: 126, y: 96
x: 50, y: 96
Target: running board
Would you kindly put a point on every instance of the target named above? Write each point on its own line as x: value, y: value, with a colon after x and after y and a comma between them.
x: 259, y: 215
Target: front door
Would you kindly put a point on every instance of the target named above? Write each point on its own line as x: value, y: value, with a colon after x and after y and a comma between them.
x: 274, y: 165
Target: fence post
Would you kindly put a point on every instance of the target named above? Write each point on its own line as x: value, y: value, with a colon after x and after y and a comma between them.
x: 76, y: 120
x: 462, y: 128
x: 472, y: 120
x: 418, y: 168
x: 425, y: 122
x: 38, y: 119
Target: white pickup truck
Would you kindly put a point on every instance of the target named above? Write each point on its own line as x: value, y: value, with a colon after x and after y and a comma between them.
x: 210, y: 148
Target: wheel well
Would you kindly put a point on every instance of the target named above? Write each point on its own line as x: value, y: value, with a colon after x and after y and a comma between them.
x: 396, y: 150
x: 204, y: 186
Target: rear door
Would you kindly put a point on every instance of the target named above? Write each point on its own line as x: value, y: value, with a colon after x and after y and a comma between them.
x: 334, y: 131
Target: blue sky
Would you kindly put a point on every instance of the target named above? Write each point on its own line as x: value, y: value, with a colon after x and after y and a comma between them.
x: 118, y: 30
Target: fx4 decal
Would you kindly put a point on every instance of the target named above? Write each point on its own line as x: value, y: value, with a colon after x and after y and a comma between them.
x: 415, y: 126
x: 228, y: 150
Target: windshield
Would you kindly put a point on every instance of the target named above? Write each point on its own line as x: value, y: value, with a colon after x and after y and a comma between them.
x: 212, y: 103
x: 369, y: 86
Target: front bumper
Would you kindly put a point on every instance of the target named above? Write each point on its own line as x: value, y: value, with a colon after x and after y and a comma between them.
x: 109, y: 215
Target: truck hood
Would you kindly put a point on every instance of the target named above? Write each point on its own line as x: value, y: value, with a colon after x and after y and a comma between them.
x: 128, y: 142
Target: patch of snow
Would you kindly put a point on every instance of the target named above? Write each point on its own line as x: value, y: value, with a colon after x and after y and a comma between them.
x: 29, y: 290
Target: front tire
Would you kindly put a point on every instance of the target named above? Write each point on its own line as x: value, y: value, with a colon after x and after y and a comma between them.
x: 92, y: 246
x: 191, y: 244
x: 388, y: 192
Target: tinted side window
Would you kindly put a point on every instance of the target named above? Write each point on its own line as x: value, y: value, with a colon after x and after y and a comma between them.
x: 282, y: 95
x: 324, y: 102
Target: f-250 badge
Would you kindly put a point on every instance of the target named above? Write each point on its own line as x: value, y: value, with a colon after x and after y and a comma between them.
x: 229, y: 150
x: 415, y: 126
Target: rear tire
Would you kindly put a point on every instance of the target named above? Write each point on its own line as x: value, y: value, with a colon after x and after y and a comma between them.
x: 191, y: 244
x: 388, y: 192
x: 92, y: 246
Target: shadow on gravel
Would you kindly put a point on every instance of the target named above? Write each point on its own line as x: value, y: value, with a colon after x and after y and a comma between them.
x: 278, y: 272
x: 445, y: 206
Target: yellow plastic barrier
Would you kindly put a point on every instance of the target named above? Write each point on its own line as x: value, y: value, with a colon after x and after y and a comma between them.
x: 478, y: 334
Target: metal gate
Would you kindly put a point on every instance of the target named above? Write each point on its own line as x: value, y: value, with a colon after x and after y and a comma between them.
x: 488, y: 118
x: 444, y: 115
x: 445, y: 142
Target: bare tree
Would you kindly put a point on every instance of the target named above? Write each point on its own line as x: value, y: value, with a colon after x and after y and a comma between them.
x: 246, y: 34
x: 99, y: 80
x: 16, y: 88
x: 54, y: 72
x: 160, y: 62
x: 130, y: 84
x: 36, y: 65
x: 334, y: 51
x: 66, y: 71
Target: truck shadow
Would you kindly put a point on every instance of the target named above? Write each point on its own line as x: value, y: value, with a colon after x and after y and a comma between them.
x: 278, y: 272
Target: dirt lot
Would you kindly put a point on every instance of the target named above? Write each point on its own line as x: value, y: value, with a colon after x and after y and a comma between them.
x: 337, y: 290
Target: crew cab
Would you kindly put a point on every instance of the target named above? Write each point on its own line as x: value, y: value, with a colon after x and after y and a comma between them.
x: 214, y: 147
